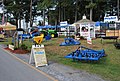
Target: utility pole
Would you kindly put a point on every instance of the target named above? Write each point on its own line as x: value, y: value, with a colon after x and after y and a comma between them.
x: 31, y: 13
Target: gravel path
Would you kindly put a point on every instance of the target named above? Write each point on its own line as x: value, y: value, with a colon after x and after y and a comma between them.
x: 62, y: 72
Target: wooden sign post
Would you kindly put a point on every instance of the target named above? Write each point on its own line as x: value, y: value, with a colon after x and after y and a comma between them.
x: 38, y: 53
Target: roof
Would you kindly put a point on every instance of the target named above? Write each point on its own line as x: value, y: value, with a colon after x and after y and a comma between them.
x: 83, y: 21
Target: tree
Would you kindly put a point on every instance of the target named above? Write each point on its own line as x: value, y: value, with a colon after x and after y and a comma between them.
x: 99, y: 11
x: 18, y: 8
x: 91, y: 6
x: 64, y: 10
x: 44, y: 6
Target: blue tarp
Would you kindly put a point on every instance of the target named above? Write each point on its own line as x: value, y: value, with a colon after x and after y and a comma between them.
x: 49, y: 26
x: 101, y: 24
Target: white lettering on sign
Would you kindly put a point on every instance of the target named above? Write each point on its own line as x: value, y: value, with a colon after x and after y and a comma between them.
x: 110, y: 18
x: 64, y: 23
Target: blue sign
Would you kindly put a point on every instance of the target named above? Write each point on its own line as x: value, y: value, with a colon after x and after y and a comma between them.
x: 39, y: 52
x: 110, y: 18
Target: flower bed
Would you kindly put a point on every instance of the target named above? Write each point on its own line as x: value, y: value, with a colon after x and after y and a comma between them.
x: 17, y: 51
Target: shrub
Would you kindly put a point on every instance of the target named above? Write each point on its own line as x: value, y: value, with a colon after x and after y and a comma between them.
x: 15, y: 48
x: 81, y: 37
x: 23, y: 46
x: 12, y: 43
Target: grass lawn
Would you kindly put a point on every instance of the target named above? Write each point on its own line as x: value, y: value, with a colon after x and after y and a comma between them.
x: 108, y: 67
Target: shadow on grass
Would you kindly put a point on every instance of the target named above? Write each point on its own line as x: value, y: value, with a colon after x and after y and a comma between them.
x: 110, y: 42
x: 100, y: 61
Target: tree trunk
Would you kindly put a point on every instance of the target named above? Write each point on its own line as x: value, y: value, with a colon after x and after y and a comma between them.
x: 31, y: 13
x: 43, y: 16
x: 91, y: 11
x: 59, y: 14
x: 118, y: 10
x: 27, y: 27
x: 19, y: 23
x: 16, y: 22
x: 76, y: 11
x: 48, y: 16
x: 64, y: 15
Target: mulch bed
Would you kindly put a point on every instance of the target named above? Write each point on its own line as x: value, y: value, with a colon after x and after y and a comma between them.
x: 17, y: 51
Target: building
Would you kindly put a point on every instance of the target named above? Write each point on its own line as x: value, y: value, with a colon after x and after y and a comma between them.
x: 85, y: 27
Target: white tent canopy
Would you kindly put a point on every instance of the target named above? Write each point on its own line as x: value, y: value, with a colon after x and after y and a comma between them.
x: 8, y: 26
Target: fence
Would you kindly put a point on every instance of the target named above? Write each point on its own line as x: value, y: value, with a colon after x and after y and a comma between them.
x: 66, y: 33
